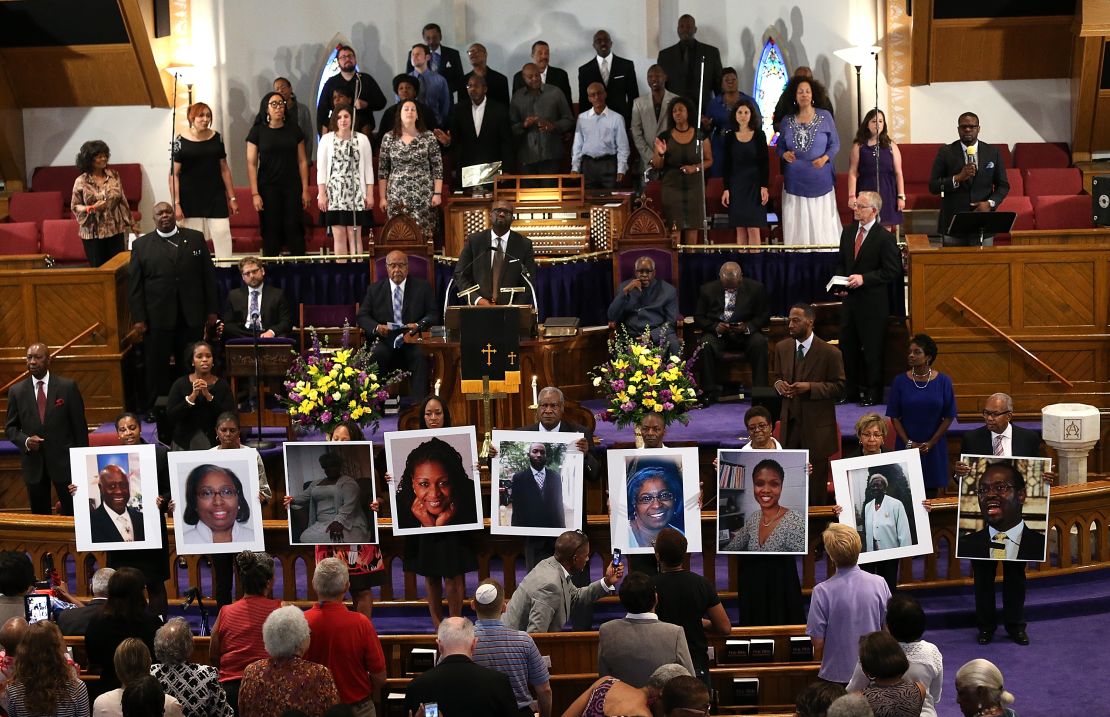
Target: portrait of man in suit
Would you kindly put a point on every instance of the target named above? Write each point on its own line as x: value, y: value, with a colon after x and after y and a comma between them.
x: 970, y: 177
x: 1001, y: 491
x: 495, y: 259
x: 538, y: 493
x: 113, y: 521
x: 256, y: 301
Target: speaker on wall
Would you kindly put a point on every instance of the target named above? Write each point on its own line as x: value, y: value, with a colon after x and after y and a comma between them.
x: 161, y: 18
x: 1100, y: 199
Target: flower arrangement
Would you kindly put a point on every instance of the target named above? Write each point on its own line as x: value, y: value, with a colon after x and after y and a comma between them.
x: 325, y: 387
x: 640, y: 378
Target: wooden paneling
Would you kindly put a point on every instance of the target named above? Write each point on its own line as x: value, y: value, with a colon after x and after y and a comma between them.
x: 1053, y: 299
x: 999, y: 49
x: 1032, y: 237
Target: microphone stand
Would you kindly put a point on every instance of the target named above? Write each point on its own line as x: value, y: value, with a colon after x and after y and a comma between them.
x: 701, y: 153
x: 258, y: 442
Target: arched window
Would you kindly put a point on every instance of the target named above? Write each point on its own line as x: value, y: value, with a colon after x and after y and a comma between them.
x: 771, y: 79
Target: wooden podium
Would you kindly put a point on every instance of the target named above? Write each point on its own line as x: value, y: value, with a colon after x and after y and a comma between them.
x: 275, y: 356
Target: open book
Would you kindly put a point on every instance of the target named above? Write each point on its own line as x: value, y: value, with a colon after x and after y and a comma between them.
x: 837, y: 281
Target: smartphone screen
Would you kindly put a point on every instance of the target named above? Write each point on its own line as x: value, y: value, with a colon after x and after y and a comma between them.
x: 616, y: 556
x: 36, y: 608
x: 431, y: 709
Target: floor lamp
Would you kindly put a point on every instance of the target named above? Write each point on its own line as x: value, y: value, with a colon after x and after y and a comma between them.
x: 856, y: 57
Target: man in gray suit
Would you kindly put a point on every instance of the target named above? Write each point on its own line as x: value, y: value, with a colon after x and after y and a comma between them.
x: 650, y: 114
x: 542, y: 601
x: 632, y: 648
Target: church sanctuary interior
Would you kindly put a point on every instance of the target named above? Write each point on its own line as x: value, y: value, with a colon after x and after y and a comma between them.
x: 205, y: 205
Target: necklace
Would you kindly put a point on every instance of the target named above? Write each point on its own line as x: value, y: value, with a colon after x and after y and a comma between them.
x: 914, y: 375
x: 782, y: 512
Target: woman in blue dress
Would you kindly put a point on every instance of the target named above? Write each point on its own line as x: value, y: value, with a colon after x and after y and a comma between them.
x: 872, y: 137
x: 922, y: 404
x: 808, y: 143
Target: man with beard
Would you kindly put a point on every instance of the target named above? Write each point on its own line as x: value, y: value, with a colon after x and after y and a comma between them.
x: 113, y: 521
x: 359, y: 85
x: 480, y: 132
x: 969, y: 176
x: 650, y: 114
x: 444, y: 61
x: 538, y: 493
x: 539, y: 114
x: 256, y: 305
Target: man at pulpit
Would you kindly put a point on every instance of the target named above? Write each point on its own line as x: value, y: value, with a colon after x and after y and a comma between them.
x: 496, y: 258
x: 256, y: 300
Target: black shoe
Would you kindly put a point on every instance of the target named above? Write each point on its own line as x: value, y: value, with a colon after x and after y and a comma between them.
x: 985, y: 637
x: 1020, y: 637
x: 866, y: 401
x: 711, y: 397
x: 150, y: 417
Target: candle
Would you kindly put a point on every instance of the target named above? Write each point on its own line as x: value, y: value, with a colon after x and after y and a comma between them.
x: 438, y: 382
x: 535, y: 395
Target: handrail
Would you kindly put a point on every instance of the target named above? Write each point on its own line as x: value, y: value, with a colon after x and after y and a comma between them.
x: 54, y: 353
x: 1029, y: 354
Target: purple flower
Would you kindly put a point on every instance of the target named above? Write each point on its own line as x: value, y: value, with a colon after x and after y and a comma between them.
x: 325, y: 417
x: 668, y: 406
x: 362, y: 376
x: 665, y: 394
x: 651, y: 372
x: 295, y: 397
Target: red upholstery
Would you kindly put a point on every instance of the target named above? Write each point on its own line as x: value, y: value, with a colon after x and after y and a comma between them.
x: 131, y: 177
x: 714, y: 188
x: 1007, y: 158
x: 104, y: 438
x: 1041, y: 154
x: 1022, y: 206
x: 19, y: 238
x: 35, y: 207
x: 246, y: 238
x: 1055, y: 181
x: 55, y: 179
x: 847, y: 216
x: 1017, y: 183
x: 654, y: 191
x: 1063, y: 212
x: 61, y: 241
x: 917, y: 163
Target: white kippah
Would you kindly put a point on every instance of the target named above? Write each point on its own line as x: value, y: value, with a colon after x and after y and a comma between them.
x: 485, y: 594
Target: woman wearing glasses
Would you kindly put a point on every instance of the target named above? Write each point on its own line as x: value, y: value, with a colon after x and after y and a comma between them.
x: 654, y: 503
x: 921, y: 406
x: 278, y: 172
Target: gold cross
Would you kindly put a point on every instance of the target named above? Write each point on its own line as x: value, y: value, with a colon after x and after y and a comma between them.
x: 512, y: 358
x: 489, y: 351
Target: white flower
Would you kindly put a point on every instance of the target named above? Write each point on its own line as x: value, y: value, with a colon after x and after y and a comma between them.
x: 675, y: 359
x: 597, y: 380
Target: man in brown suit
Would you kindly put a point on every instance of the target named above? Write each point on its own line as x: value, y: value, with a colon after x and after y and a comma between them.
x: 809, y: 375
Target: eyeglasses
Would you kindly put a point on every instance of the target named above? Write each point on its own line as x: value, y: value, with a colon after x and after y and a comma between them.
x: 661, y: 497
x: 209, y: 494
x: 999, y: 489
x: 758, y: 427
x: 968, y: 126
x: 277, y: 103
x: 995, y: 414
x: 863, y: 206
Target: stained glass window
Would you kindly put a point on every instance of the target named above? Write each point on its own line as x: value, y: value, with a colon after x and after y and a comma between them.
x: 771, y: 79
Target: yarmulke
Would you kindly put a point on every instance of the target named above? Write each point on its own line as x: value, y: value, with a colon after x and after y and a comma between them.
x: 485, y: 594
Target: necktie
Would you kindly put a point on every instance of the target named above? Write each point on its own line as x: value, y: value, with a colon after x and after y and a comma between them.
x: 998, y: 445
x: 730, y: 305
x: 42, y: 401
x: 998, y: 546
x: 434, y: 62
x: 498, y: 261
x: 801, y: 355
x: 397, y: 300
x: 859, y: 240
x: 605, y: 70
x: 253, y: 310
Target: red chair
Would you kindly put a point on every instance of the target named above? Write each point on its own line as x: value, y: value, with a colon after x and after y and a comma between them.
x: 1017, y: 182
x: 1073, y: 211
x: 847, y: 216
x: 62, y: 242
x: 917, y: 163
x: 55, y: 179
x: 19, y: 238
x: 131, y: 177
x: 1028, y: 155
x: 714, y: 188
x: 1007, y: 158
x: 1024, y: 209
x: 246, y: 236
x: 35, y: 207
x: 1053, y: 181
x: 104, y: 438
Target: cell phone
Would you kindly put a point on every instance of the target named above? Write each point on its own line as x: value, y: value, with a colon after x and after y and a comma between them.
x: 616, y: 556
x: 431, y: 709
x: 36, y: 608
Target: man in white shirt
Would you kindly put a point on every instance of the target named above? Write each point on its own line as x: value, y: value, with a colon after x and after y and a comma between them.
x: 600, y: 150
x: 114, y: 521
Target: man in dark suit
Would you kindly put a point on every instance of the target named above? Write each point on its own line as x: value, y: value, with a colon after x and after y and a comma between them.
x: 495, y: 259
x: 617, y: 74
x: 538, y: 493
x: 554, y: 76
x: 682, y: 63
x: 394, y: 306
x: 444, y: 60
x: 1000, y: 437
x: 480, y: 131
x: 969, y: 177
x: 647, y: 303
x: 870, y: 259
x: 76, y: 620
x: 172, y: 295
x: 457, y: 684
x: 809, y: 375
x: 731, y: 313
x: 46, y: 417
x: 114, y: 521
x: 497, y: 85
x: 274, y: 316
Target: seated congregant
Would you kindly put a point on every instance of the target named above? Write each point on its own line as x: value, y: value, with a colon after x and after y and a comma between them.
x: 647, y: 303
x: 256, y: 305
x: 731, y: 313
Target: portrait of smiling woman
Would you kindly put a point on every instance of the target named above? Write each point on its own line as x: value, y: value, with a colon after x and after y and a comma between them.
x: 435, y: 489
x: 654, y: 503
x: 216, y: 508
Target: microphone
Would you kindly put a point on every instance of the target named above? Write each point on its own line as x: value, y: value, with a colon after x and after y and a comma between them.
x: 191, y: 595
x: 972, y: 157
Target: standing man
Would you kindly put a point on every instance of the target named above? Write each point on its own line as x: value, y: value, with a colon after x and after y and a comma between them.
x: 511, y: 652
x: 395, y: 306
x: 617, y: 76
x: 647, y: 303
x: 497, y: 85
x: 113, y: 521
x: 538, y: 493
x: 731, y: 314
x: 809, y: 375
x: 869, y: 257
x: 172, y: 295
x: 999, y: 437
x: 256, y: 306
x: 433, y: 91
x: 539, y: 115
x: 495, y: 259
x: 969, y: 176
x: 443, y: 60
x: 600, y: 150
x: 480, y: 132
x: 368, y: 97
x: 682, y: 64
x: 46, y: 417
x: 649, y: 114
x: 549, y: 75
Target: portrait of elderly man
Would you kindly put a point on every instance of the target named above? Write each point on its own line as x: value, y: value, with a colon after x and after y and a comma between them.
x: 113, y: 521
x: 885, y: 524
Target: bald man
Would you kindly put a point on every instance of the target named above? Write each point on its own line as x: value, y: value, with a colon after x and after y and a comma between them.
x: 682, y: 63
x: 114, y: 521
x: 396, y: 306
x: 731, y: 314
x: 497, y: 84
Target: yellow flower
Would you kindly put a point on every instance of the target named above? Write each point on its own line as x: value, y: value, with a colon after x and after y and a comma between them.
x: 362, y: 396
x: 336, y: 396
x: 348, y: 372
x: 597, y: 380
x: 352, y: 404
x: 632, y: 390
x: 648, y: 402
x: 654, y: 380
x: 323, y: 382
x: 342, y: 355
x: 622, y: 397
x: 638, y: 350
x: 313, y: 370
x: 620, y: 364
x: 658, y: 408
x: 345, y: 386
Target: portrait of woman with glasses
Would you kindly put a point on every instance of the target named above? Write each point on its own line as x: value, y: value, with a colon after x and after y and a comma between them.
x: 654, y: 503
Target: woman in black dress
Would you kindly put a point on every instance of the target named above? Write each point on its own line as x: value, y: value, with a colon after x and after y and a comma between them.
x: 745, y: 173
x: 196, y: 400
x: 677, y: 157
x: 278, y: 174
x: 202, y: 190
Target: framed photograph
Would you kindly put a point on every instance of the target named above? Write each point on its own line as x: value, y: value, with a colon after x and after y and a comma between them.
x: 881, y: 497
x: 216, y: 506
x: 1003, y: 509
x: 651, y: 489
x: 115, y: 507
x: 762, y: 502
x: 332, y: 487
x: 435, y: 486
x: 538, y: 480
